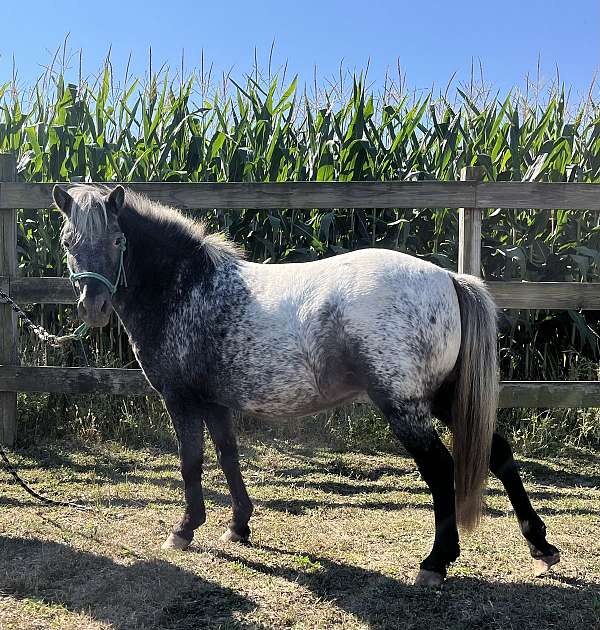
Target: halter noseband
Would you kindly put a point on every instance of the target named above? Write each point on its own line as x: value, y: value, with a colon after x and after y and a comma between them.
x: 121, y: 278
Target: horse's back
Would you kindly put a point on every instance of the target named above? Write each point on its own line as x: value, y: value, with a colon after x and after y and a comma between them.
x: 363, y: 274
x: 336, y: 328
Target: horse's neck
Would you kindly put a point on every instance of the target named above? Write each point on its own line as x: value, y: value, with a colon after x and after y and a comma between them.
x: 151, y: 266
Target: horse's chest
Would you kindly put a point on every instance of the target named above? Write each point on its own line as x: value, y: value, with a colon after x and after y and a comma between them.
x: 168, y: 354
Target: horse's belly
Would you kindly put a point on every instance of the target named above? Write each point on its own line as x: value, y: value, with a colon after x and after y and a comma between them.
x: 301, y: 405
x: 300, y: 391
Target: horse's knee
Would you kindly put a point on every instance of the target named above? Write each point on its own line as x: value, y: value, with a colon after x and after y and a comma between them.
x: 227, y: 452
x: 191, y: 468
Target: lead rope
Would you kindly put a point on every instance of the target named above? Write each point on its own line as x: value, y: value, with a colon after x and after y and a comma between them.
x: 40, y: 497
x: 41, y: 333
x: 52, y: 340
x: 55, y: 341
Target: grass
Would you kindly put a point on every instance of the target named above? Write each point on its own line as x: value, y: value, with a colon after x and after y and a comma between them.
x: 143, y: 421
x: 337, y: 539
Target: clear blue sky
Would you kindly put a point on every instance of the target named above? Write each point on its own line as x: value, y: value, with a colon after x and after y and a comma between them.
x: 431, y: 39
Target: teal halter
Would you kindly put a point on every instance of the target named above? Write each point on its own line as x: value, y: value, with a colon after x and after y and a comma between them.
x: 121, y: 278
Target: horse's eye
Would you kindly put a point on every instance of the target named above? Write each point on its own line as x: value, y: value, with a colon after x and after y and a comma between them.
x: 66, y: 244
x: 118, y: 241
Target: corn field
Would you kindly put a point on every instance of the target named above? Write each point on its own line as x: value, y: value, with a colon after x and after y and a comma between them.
x: 192, y: 130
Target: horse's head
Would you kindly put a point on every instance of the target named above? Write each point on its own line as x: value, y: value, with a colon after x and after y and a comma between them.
x: 95, y: 245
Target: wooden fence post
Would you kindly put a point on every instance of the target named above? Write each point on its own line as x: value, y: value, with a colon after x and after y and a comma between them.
x: 469, y: 229
x: 8, y: 323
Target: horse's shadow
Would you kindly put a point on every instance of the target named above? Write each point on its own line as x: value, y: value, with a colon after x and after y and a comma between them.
x: 463, y: 603
x: 158, y: 593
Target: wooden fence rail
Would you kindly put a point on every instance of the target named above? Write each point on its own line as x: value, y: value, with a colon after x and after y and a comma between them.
x: 395, y: 194
x: 470, y: 195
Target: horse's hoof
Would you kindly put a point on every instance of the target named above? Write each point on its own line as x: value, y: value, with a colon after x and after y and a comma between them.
x: 542, y: 565
x: 231, y: 536
x: 429, y: 578
x: 175, y: 542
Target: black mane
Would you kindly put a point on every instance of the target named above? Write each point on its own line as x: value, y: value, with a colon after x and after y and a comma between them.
x: 176, y: 232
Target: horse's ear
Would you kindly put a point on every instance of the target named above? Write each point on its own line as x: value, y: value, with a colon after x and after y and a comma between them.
x: 63, y: 200
x: 116, y: 199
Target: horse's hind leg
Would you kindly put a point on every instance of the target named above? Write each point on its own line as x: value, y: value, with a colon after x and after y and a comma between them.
x: 221, y: 431
x: 411, y: 423
x: 503, y: 465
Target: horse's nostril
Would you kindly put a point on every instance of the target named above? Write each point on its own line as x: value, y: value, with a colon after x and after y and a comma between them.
x: 92, y: 308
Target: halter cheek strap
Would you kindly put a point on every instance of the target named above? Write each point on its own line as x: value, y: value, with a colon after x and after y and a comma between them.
x: 121, y: 278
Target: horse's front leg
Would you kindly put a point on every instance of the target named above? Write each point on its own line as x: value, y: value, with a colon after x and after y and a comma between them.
x: 188, y: 420
x: 220, y: 427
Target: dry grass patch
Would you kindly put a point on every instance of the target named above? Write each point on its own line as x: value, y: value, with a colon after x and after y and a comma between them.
x: 337, y: 539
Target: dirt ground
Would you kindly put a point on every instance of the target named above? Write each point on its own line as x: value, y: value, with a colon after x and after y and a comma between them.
x: 337, y: 539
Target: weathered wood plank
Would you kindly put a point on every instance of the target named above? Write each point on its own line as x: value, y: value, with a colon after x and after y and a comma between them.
x: 274, y: 195
x: 550, y: 394
x: 42, y: 291
x: 469, y: 229
x: 8, y: 324
x: 538, y: 195
x: 389, y: 194
x: 564, y: 394
x: 546, y: 295
x: 74, y: 380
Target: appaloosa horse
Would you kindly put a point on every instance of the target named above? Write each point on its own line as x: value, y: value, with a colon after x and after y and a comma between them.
x: 214, y: 333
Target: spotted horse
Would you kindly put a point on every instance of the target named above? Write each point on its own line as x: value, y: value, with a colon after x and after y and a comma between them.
x: 214, y: 334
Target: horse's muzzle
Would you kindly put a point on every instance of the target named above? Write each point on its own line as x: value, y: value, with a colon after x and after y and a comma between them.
x: 94, y: 309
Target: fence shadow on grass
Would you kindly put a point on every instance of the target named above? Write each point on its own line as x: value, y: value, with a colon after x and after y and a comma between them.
x: 157, y: 594
x: 544, y: 473
x: 145, y: 594
x: 337, y: 478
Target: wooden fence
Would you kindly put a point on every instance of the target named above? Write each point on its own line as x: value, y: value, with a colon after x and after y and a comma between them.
x: 470, y: 195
